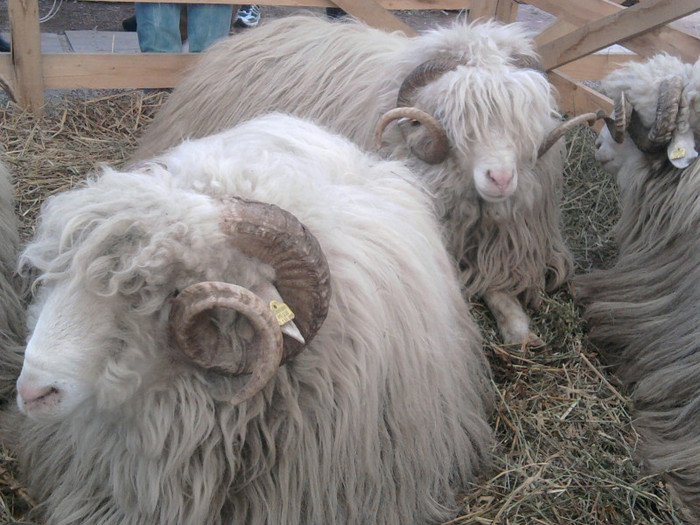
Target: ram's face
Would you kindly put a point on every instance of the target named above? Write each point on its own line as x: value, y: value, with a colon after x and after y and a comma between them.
x: 135, y: 294
x: 498, y: 123
x: 491, y: 118
x: 613, y: 156
x: 72, y: 336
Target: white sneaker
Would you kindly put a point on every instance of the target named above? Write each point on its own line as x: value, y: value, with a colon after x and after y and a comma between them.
x: 247, y: 16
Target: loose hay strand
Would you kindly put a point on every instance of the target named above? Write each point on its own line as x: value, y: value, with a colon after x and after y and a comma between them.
x: 78, y: 134
x: 565, y: 445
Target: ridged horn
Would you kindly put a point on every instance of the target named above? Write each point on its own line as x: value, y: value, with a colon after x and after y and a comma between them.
x: 421, y: 76
x: 667, y: 107
x: 683, y: 119
x: 439, y: 146
x: 618, y: 126
x: 202, y: 342
x: 564, y: 127
x: 276, y: 237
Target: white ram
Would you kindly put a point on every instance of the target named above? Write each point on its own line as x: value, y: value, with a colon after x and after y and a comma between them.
x: 644, y: 312
x: 475, y: 114
x: 12, y: 321
x: 154, y: 398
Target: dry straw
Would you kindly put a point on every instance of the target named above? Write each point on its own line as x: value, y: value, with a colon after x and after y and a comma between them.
x: 565, y: 446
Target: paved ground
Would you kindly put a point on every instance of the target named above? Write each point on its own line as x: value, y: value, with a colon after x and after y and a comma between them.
x: 82, y: 26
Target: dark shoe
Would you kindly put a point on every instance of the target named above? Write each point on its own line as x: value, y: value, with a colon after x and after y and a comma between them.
x: 247, y: 16
x: 5, y: 46
x: 129, y: 24
x: 334, y: 12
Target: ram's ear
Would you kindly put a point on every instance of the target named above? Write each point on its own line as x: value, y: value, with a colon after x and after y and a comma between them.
x: 681, y: 150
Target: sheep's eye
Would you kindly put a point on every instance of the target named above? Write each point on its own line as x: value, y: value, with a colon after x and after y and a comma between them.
x: 414, y: 123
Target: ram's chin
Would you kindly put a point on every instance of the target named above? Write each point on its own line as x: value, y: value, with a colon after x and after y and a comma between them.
x: 495, y: 197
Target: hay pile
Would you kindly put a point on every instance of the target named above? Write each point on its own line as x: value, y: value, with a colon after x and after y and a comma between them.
x: 565, y: 444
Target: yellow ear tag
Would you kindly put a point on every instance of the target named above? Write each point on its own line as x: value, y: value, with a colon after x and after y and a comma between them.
x: 282, y: 312
x: 677, y: 153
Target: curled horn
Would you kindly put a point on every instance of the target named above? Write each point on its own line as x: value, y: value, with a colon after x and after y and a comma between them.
x: 272, y: 236
x: 437, y: 147
x: 422, y: 75
x: 618, y: 126
x: 668, y: 105
x: 276, y: 237
x: 683, y: 119
x: 564, y: 127
x: 199, y: 340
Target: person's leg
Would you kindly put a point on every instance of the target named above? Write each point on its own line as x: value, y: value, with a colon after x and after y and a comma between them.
x: 207, y: 23
x: 158, y: 27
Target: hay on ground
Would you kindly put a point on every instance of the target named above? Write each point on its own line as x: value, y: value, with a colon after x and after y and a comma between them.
x: 565, y: 451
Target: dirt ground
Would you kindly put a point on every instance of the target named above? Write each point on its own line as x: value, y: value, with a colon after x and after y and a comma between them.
x: 76, y: 15
x: 108, y: 16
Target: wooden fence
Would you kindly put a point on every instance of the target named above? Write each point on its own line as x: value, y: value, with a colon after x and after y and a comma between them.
x: 569, y: 46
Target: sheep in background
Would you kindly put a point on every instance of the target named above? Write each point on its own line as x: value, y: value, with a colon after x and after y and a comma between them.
x: 644, y: 312
x: 475, y: 115
x: 12, y: 320
x: 134, y: 413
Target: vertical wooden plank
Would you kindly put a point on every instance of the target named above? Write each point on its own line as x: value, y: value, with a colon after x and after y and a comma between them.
x: 482, y: 9
x: 503, y: 10
x: 506, y: 11
x: 26, y: 53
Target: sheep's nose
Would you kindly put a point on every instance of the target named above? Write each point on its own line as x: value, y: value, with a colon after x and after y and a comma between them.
x: 32, y: 393
x: 598, y: 144
x: 500, y: 178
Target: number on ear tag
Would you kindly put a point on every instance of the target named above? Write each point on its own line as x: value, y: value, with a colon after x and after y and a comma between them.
x: 282, y: 312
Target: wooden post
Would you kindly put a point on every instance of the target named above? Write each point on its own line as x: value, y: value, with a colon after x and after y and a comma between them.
x: 26, y: 54
x: 506, y: 10
x: 482, y: 9
x: 576, y: 98
x: 502, y: 10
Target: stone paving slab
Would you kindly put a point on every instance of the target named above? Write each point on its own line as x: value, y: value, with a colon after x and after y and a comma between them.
x: 50, y: 42
x: 103, y: 41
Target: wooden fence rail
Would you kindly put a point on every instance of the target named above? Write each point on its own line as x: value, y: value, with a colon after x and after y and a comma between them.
x: 568, y: 46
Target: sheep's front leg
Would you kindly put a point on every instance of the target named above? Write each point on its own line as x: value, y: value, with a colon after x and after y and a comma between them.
x: 513, y: 322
